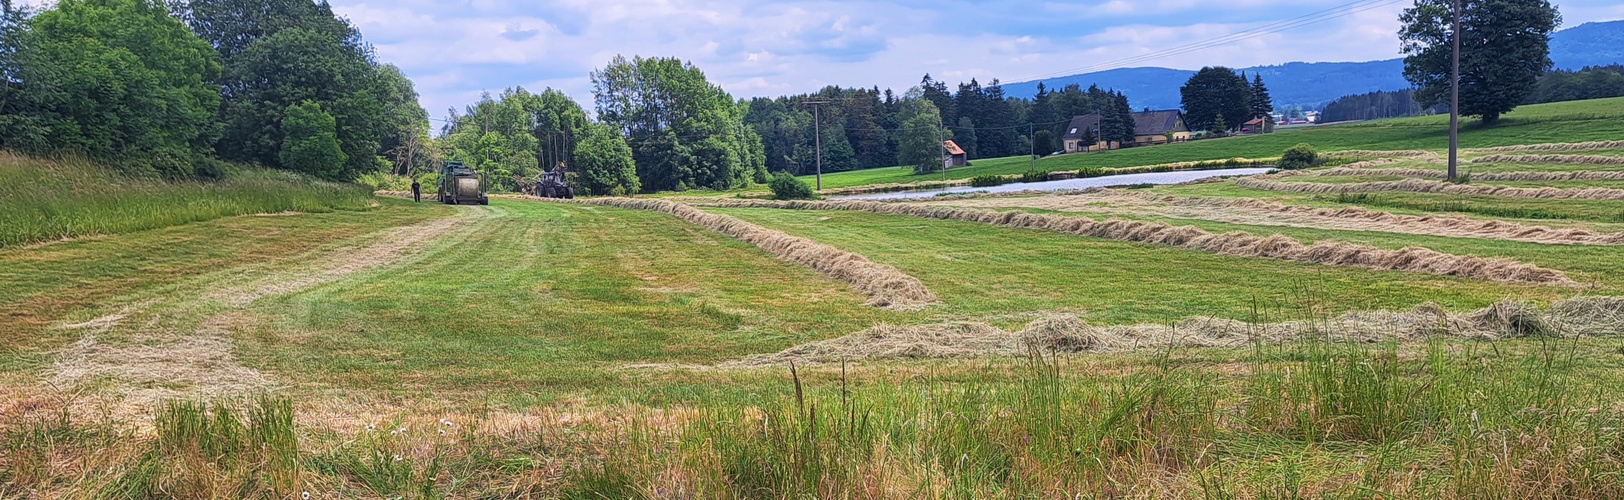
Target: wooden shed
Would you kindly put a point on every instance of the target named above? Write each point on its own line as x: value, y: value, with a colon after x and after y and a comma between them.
x: 956, y: 155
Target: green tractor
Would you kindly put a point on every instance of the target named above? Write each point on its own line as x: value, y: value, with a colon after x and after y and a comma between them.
x: 460, y: 184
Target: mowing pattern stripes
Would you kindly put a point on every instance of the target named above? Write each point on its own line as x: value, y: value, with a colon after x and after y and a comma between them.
x: 886, y: 286
x: 1237, y: 243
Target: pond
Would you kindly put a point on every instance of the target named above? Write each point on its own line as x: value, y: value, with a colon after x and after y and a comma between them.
x: 1083, y: 183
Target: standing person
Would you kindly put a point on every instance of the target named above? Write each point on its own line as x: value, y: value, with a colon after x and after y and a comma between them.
x: 417, y: 191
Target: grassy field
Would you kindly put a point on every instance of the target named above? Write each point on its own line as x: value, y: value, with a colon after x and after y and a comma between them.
x: 1576, y: 121
x: 532, y: 349
x: 43, y: 200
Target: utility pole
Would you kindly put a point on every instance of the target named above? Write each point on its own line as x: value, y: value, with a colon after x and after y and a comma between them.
x: 817, y: 140
x: 1032, y: 140
x: 941, y: 142
x: 1454, y: 96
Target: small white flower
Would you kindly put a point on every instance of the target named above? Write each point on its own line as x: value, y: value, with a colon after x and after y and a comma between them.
x: 402, y: 430
x: 305, y: 495
x: 442, y: 432
x: 394, y: 432
x: 372, y: 427
x: 397, y: 458
x: 446, y: 422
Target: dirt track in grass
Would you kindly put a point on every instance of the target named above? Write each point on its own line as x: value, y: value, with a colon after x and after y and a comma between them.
x: 154, y: 349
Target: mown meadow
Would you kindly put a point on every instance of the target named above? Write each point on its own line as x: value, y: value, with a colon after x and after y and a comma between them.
x: 380, y: 348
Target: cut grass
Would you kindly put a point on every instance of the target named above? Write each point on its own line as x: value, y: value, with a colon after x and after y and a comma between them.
x: 982, y: 269
x: 43, y: 200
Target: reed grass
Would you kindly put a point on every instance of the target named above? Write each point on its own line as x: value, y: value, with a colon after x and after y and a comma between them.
x: 51, y: 199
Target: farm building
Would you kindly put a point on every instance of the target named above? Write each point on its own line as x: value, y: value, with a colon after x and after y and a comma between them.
x: 956, y: 155
x: 1149, y: 127
x: 1083, y: 129
x: 1256, y: 126
x: 1159, y: 127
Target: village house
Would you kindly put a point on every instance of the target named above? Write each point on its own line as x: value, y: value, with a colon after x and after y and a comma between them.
x: 1149, y: 128
x: 956, y: 157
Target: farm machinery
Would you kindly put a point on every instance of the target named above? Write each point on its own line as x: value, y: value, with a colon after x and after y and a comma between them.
x: 547, y: 185
x: 461, y: 184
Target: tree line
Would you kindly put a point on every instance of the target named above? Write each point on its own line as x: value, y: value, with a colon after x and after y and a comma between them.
x: 171, y: 88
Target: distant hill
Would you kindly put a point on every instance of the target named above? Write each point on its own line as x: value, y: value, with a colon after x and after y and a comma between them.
x: 1311, y: 85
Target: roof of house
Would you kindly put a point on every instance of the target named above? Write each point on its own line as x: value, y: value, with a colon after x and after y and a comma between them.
x: 1157, y: 122
x: 1255, y: 121
x: 952, y: 148
x: 1080, y: 124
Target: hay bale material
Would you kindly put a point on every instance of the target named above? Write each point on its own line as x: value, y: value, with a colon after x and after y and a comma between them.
x: 1561, y: 146
x: 1237, y: 243
x: 886, y: 286
x: 1436, y: 187
x: 1557, y: 159
x: 1067, y: 333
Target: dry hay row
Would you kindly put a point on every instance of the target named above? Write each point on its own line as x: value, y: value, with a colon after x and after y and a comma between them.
x: 1397, y: 172
x: 1559, y: 159
x: 1576, y: 175
x: 1066, y: 333
x: 1383, y: 154
x: 1436, y: 187
x: 886, y: 286
x: 1423, y: 224
x: 1560, y: 146
x: 1238, y: 243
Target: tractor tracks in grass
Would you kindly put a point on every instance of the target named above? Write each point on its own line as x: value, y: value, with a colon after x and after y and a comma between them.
x: 178, y: 342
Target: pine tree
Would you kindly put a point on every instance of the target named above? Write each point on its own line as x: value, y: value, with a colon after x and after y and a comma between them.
x: 1262, y: 105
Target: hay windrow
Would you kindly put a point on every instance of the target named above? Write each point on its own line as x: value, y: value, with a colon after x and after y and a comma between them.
x: 886, y: 286
x: 1412, y: 153
x: 1255, y: 211
x: 1436, y: 187
x: 1066, y: 333
x: 1557, y: 159
x: 1237, y: 243
x: 1575, y: 175
x: 1560, y: 146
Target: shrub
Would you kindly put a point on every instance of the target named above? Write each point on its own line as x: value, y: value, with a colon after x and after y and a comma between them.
x: 1297, y: 157
x: 787, y: 187
x: 1090, y: 172
x: 1034, y: 176
x: 987, y: 180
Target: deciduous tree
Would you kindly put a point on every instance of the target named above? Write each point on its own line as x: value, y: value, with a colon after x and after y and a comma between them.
x: 310, y: 141
x: 1504, y: 47
x: 1215, y: 91
x: 603, y: 162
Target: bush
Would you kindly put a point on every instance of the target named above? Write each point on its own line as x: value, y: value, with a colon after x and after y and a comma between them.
x: 787, y: 187
x: 1034, y: 176
x: 1090, y: 172
x: 987, y: 180
x: 1298, y: 157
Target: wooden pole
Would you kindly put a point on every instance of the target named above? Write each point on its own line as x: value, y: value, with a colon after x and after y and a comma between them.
x: 1454, y: 98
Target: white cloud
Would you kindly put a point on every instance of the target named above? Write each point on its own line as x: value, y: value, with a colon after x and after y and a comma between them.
x: 454, y: 49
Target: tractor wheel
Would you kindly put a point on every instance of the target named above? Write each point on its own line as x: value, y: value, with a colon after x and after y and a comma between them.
x: 484, y: 201
x: 569, y: 192
x: 547, y: 192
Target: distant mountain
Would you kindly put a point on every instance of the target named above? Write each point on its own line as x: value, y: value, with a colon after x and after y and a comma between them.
x: 1311, y: 85
x: 1588, y: 44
